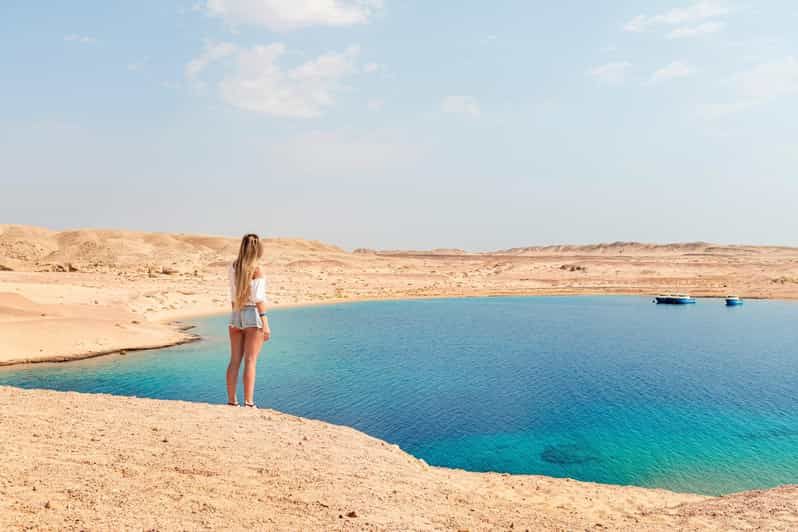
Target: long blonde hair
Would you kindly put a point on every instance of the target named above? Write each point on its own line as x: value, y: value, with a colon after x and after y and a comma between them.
x: 250, y: 251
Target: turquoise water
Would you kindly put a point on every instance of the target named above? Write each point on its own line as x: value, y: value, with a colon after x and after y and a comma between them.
x: 700, y: 398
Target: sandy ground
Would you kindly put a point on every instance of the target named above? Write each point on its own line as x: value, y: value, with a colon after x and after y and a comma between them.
x: 93, y: 462
x: 76, y: 462
x: 86, y: 292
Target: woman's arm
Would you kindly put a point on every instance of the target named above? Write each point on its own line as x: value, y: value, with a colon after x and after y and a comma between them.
x: 260, y: 303
x: 267, y: 333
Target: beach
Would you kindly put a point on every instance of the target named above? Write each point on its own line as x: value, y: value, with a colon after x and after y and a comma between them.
x: 82, y: 461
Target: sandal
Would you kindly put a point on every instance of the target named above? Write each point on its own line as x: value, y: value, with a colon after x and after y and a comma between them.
x: 250, y: 405
x: 234, y: 404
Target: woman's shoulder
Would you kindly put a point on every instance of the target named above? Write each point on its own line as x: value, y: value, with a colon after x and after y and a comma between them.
x: 258, y: 273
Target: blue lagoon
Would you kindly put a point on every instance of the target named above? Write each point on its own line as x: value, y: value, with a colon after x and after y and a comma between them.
x: 700, y: 398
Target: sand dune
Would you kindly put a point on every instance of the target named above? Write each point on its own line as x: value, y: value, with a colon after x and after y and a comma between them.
x: 94, y: 462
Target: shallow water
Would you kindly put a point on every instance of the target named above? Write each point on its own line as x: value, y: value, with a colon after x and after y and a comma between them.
x: 699, y: 398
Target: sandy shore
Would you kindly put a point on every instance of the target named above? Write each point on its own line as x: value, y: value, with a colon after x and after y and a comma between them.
x: 77, y: 462
x: 73, y: 294
x: 94, y: 462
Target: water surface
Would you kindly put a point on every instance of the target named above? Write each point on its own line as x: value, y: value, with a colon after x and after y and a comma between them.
x: 699, y: 398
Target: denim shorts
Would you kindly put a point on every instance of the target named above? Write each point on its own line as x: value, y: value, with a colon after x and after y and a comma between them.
x: 245, y: 318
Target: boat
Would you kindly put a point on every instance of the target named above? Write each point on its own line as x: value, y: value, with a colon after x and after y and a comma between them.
x: 671, y: 299
x: 733, y: 301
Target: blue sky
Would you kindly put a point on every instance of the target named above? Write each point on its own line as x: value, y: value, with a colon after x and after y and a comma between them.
x: 401, y: 123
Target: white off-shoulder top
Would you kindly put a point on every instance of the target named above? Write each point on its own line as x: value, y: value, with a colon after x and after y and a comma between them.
x: 257, y: 288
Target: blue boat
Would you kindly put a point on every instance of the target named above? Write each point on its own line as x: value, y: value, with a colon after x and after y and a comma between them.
x: 733, y: 301
x: 675, y: 300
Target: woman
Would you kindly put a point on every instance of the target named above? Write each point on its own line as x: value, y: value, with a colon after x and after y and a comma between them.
x: 249, y: 327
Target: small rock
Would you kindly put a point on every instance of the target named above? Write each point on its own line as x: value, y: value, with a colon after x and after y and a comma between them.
x: 352, y: 514
x: 48, y: 505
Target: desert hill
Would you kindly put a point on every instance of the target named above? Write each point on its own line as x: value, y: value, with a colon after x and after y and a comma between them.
x: 32, y: 248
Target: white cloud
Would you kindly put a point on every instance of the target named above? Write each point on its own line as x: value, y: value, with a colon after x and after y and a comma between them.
x: 677, y: 69
x: 258, y: 83
x: 213, y: 52
x: 465, y: 105
x: 84, y: 39
x: 371, y: 67
x: 375, y: 104
x: 699, y: 10
x: 759, y: 85
x: 613, y: 73
x: 283, y: 15
x: 696, y: 31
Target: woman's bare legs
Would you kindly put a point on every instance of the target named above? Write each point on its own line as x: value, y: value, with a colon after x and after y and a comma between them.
x: 253, y: 341
x: 236, y: 354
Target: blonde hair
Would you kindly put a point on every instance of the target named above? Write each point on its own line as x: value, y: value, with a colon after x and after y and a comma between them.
x: 250, y: 251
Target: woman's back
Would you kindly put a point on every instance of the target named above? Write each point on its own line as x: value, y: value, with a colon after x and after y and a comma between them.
x: 257, y: 287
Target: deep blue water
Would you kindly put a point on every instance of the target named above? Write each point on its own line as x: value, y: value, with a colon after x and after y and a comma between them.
x: 699, y: 398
